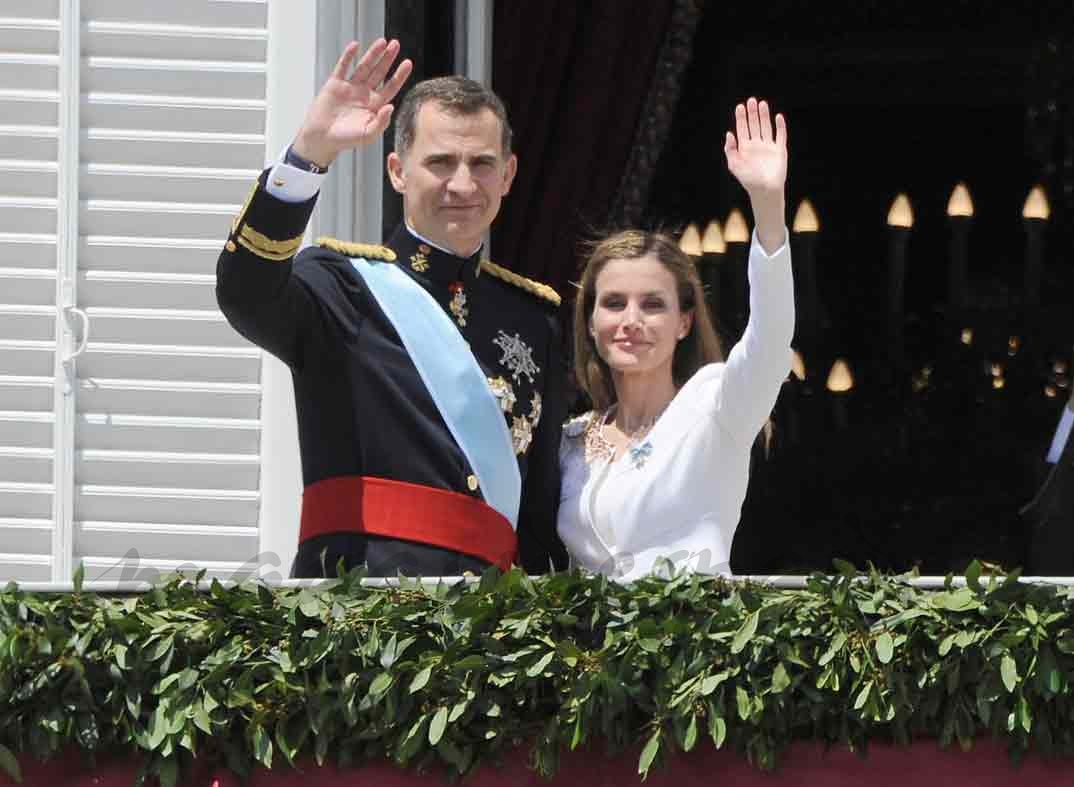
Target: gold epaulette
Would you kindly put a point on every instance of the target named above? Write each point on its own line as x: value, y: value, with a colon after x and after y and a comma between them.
x: 529, y: 285
x: 367, y: 251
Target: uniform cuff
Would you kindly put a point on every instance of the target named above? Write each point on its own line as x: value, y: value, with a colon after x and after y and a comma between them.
x: 291, y: 184
x: 269, y: 227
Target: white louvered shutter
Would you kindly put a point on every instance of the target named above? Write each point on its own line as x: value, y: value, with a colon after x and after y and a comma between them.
x: 29, y: 106
x: 167, y: 436
x: 164, y: 427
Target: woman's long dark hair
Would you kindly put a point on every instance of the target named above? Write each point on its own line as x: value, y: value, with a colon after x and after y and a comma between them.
x: 699, y: 347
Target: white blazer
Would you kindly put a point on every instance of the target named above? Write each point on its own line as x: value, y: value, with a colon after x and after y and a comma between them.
x: 682, y: 500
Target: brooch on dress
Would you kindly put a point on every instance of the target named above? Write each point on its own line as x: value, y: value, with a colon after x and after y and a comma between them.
x: 639, y: 454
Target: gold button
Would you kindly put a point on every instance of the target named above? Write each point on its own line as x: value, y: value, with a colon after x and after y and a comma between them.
x: 471, y: 482
x: 230, y: 246
x: 277, y: 182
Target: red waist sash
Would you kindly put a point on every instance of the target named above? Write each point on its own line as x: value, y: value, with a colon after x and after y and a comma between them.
x: 412, y: 512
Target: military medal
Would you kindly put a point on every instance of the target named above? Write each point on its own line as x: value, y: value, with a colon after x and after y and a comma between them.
x: 419, y: 260
x: 503, y: 391
x: 521, y: 434
x: 517, y: 356
x: 458, y: 302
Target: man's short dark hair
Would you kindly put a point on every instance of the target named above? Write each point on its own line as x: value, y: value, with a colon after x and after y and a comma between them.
x: 455, y: 95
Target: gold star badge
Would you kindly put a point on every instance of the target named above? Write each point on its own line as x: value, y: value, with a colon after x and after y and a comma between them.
x: 418, y: 261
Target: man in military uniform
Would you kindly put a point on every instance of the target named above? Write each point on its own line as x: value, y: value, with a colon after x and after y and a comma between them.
x: 428, y: 383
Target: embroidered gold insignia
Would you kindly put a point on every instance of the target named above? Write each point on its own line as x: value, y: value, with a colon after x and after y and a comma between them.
x: 517, y: 356
x: 521, y: 434
x: 458, y: 303
x: 503, y: 391
x: 419, y: 262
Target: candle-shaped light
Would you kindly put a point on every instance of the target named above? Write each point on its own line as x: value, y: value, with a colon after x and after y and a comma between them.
x: 840, y: 384
x: 900, y: 221
x: 713, y: 251
x: 690, y: 242
x: 1035, y: 214
x: 959, y: 218
x: 805, y: 229
x: 736, y: 230
x: 798, y: 366
x: 734, y: 286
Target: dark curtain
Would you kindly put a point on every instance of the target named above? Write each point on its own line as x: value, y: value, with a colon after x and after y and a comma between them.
x: 576, y: 78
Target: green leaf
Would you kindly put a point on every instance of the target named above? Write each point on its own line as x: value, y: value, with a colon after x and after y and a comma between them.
x: 469, y: 663
x: 420, y: 680
x: 863, y: 695
x: 458, y: 709
x: 438, y: 725
x: 745, y: 633
x: 308, y: 603
x: 836, y: 645
x: 717, y: 730
x: 1026, y: 713
x: 202, y: 720
x: 945, y: 645
x: 780, y: 679
x: 161, y: 649
x: 158, y: 726
x: 691, y: 734
x: 380, y: 684
x: 649, y: 644
x: 1008, y: 670
x: 961, y: 600
x: 262, y: 746
x: 648, y: 754
x: 712, y: 682
x: 1055, y: 681
x: 885, y: 648
x: 10, y: 764
x: 973, y: 575
x: 536, y: 669
x: 80, y: 575
x: 743, y: 701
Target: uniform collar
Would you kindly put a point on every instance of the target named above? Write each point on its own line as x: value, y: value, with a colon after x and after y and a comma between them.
x: 429, y: 262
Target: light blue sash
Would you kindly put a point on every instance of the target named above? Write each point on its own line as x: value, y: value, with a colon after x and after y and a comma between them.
x: 454, y: 380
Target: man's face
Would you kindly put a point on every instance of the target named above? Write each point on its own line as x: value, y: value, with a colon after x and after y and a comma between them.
x: 454, y: 176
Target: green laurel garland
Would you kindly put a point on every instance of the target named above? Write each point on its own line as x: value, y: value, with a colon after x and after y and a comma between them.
x: 455, y: 676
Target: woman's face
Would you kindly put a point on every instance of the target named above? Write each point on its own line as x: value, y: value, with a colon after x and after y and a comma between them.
x: 636, y: 321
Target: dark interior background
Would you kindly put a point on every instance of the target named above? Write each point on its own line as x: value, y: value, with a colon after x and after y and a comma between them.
x: 881, y: 98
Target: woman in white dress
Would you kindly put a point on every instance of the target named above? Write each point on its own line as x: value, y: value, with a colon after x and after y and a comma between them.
x: 654, y: 477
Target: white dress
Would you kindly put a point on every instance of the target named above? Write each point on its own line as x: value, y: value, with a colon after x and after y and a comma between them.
x: 678, y: 496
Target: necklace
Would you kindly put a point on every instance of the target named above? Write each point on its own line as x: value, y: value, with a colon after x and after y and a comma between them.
x: 597, y: 446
